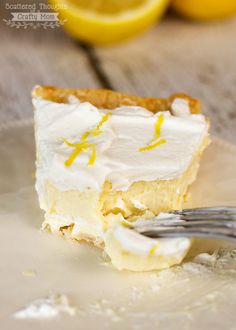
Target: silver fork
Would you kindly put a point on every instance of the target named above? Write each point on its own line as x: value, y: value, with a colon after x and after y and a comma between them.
x: 215, y: 222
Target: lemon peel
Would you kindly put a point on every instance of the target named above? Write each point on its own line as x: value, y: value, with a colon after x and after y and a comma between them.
x: 155, y: 142
x: 105, y: 22
x: 97, y: 130
x: 153, y: 250
x: 158, y: 125
x: 205, y: 10
x: 84, y: 145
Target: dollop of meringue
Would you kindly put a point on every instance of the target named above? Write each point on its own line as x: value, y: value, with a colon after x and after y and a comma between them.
x: 118, y: 158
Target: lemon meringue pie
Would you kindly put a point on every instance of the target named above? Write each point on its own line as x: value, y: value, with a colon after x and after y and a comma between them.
x: 106, y: 159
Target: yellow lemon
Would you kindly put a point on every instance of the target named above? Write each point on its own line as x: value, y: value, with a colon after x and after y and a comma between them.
x: 205, y: 9
x: 103, y: 22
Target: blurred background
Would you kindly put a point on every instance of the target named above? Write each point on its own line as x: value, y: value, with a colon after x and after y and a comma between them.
x: 145, y: 47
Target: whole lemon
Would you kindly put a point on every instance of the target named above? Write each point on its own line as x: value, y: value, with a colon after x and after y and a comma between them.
x: 205, y: 9
x: 102, y: 22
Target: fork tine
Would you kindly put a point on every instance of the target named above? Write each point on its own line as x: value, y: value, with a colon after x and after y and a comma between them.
x: 222, y: 210
x: 190, y: 223
x: 207, y: 213
x: 210, y: 217
x: 227, y: 233
x: 218, y: 222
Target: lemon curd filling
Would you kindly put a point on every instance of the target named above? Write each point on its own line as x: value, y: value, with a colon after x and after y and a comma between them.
x: 113, y: 166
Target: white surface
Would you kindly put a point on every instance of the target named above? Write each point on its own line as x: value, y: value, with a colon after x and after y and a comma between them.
x: 200, y: 294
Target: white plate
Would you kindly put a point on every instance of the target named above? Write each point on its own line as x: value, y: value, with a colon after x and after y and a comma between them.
x: 199, y: 294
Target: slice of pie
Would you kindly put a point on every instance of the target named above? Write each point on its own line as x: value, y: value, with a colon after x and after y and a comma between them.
x: 106, y: 159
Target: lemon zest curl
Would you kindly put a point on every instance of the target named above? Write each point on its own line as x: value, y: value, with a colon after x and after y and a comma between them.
x: 84, y: 145
x: 155, y: 142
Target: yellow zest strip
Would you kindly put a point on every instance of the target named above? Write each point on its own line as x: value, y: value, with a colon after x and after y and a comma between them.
x: 158, y: 125
x: 69, y: 143
x: 79, y: 147
x: 84, y: 136
x: 93, y: 156
x: 154, y: 143
x: 153, y: 250
x: 97, y: 130
x: 84, y: 145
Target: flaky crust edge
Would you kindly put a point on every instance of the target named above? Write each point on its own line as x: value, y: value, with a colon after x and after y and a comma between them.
x: 109, y: 99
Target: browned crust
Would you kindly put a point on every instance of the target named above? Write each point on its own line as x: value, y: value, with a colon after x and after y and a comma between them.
x: 108, y: 99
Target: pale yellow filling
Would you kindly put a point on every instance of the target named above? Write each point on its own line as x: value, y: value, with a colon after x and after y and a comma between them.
x: 123, y: 259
